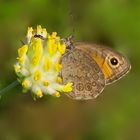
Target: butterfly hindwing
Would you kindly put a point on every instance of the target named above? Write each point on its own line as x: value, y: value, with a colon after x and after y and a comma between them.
x: 86, y: 76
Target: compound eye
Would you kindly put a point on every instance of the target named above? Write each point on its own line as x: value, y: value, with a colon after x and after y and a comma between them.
x: 114, y: 61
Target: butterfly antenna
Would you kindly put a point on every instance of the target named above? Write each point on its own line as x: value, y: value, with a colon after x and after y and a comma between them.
x: 72, y: 19
x: 9, y: 87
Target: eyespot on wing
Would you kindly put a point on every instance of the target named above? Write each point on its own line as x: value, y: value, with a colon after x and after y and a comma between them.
x: 87, y: 77
x: 113, y: 64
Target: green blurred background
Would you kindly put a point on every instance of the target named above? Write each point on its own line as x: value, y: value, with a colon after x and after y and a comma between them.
x: 115, y: 114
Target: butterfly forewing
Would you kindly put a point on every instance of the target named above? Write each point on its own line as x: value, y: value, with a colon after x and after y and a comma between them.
x: 86, y: 76
x: 103, y: 56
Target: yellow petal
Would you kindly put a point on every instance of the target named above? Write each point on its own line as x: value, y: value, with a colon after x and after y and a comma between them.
x: 37, y: 75
x: 35, y: 60
x: 59, y: 79
x: 45, y: 83
x: 52, y: 47
x: 57, y: 66
x: 21, y: 60
x: 57, y: 94
x: 54, y: 35
x: 17, y: 68
x: 39, y: 29
x: 44, y: 32
x: 67, y: 87
x: 22, y: 51
x: 25, y: 84
x: 61, y: 48
x: 29, y: 31
x: 47, y: 64
x: 39, y: 93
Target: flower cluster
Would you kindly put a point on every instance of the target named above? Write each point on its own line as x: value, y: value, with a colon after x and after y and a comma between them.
x: 38, y: 63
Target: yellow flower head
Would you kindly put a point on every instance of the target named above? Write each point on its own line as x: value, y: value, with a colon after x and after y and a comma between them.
x: 38, y: 63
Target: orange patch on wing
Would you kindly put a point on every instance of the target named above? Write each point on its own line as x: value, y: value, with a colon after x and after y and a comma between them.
x: 103, y: 65
x: 106, y: 70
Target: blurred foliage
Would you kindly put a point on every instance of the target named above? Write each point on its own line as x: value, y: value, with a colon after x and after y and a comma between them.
x: 115, y: 114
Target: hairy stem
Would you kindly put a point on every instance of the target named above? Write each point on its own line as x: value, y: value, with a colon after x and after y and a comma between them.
x: 9, y: 87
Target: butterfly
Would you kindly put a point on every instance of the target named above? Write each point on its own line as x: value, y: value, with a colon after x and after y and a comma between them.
x: 90, y: 67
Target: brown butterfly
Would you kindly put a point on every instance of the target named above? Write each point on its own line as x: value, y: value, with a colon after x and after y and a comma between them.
x: 91, y: 67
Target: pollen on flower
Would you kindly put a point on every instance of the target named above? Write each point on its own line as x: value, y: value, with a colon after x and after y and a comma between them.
x: 17, y: 68
x: 57, y: 66
x: 25, y: 84
x: 47, y: 64
x: 57, y: 94
x: 35, y: 60
x: 59, y: 79
x: 45, y: 83
x: 21, y: 59
x: 67, y: 87
x: 30, y: 30
x: 52, y: 47
x: 29, y: 34
x: 38, y: 63
x: 54, y: 34
x: 39, y: 93
x: 36, y: 52
x: 39, y: 29
x: 37, y: 75
x: 22, y: 51
x: 44, y: 33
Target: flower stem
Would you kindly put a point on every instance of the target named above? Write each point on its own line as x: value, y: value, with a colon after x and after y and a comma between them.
x: 10, y: 86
